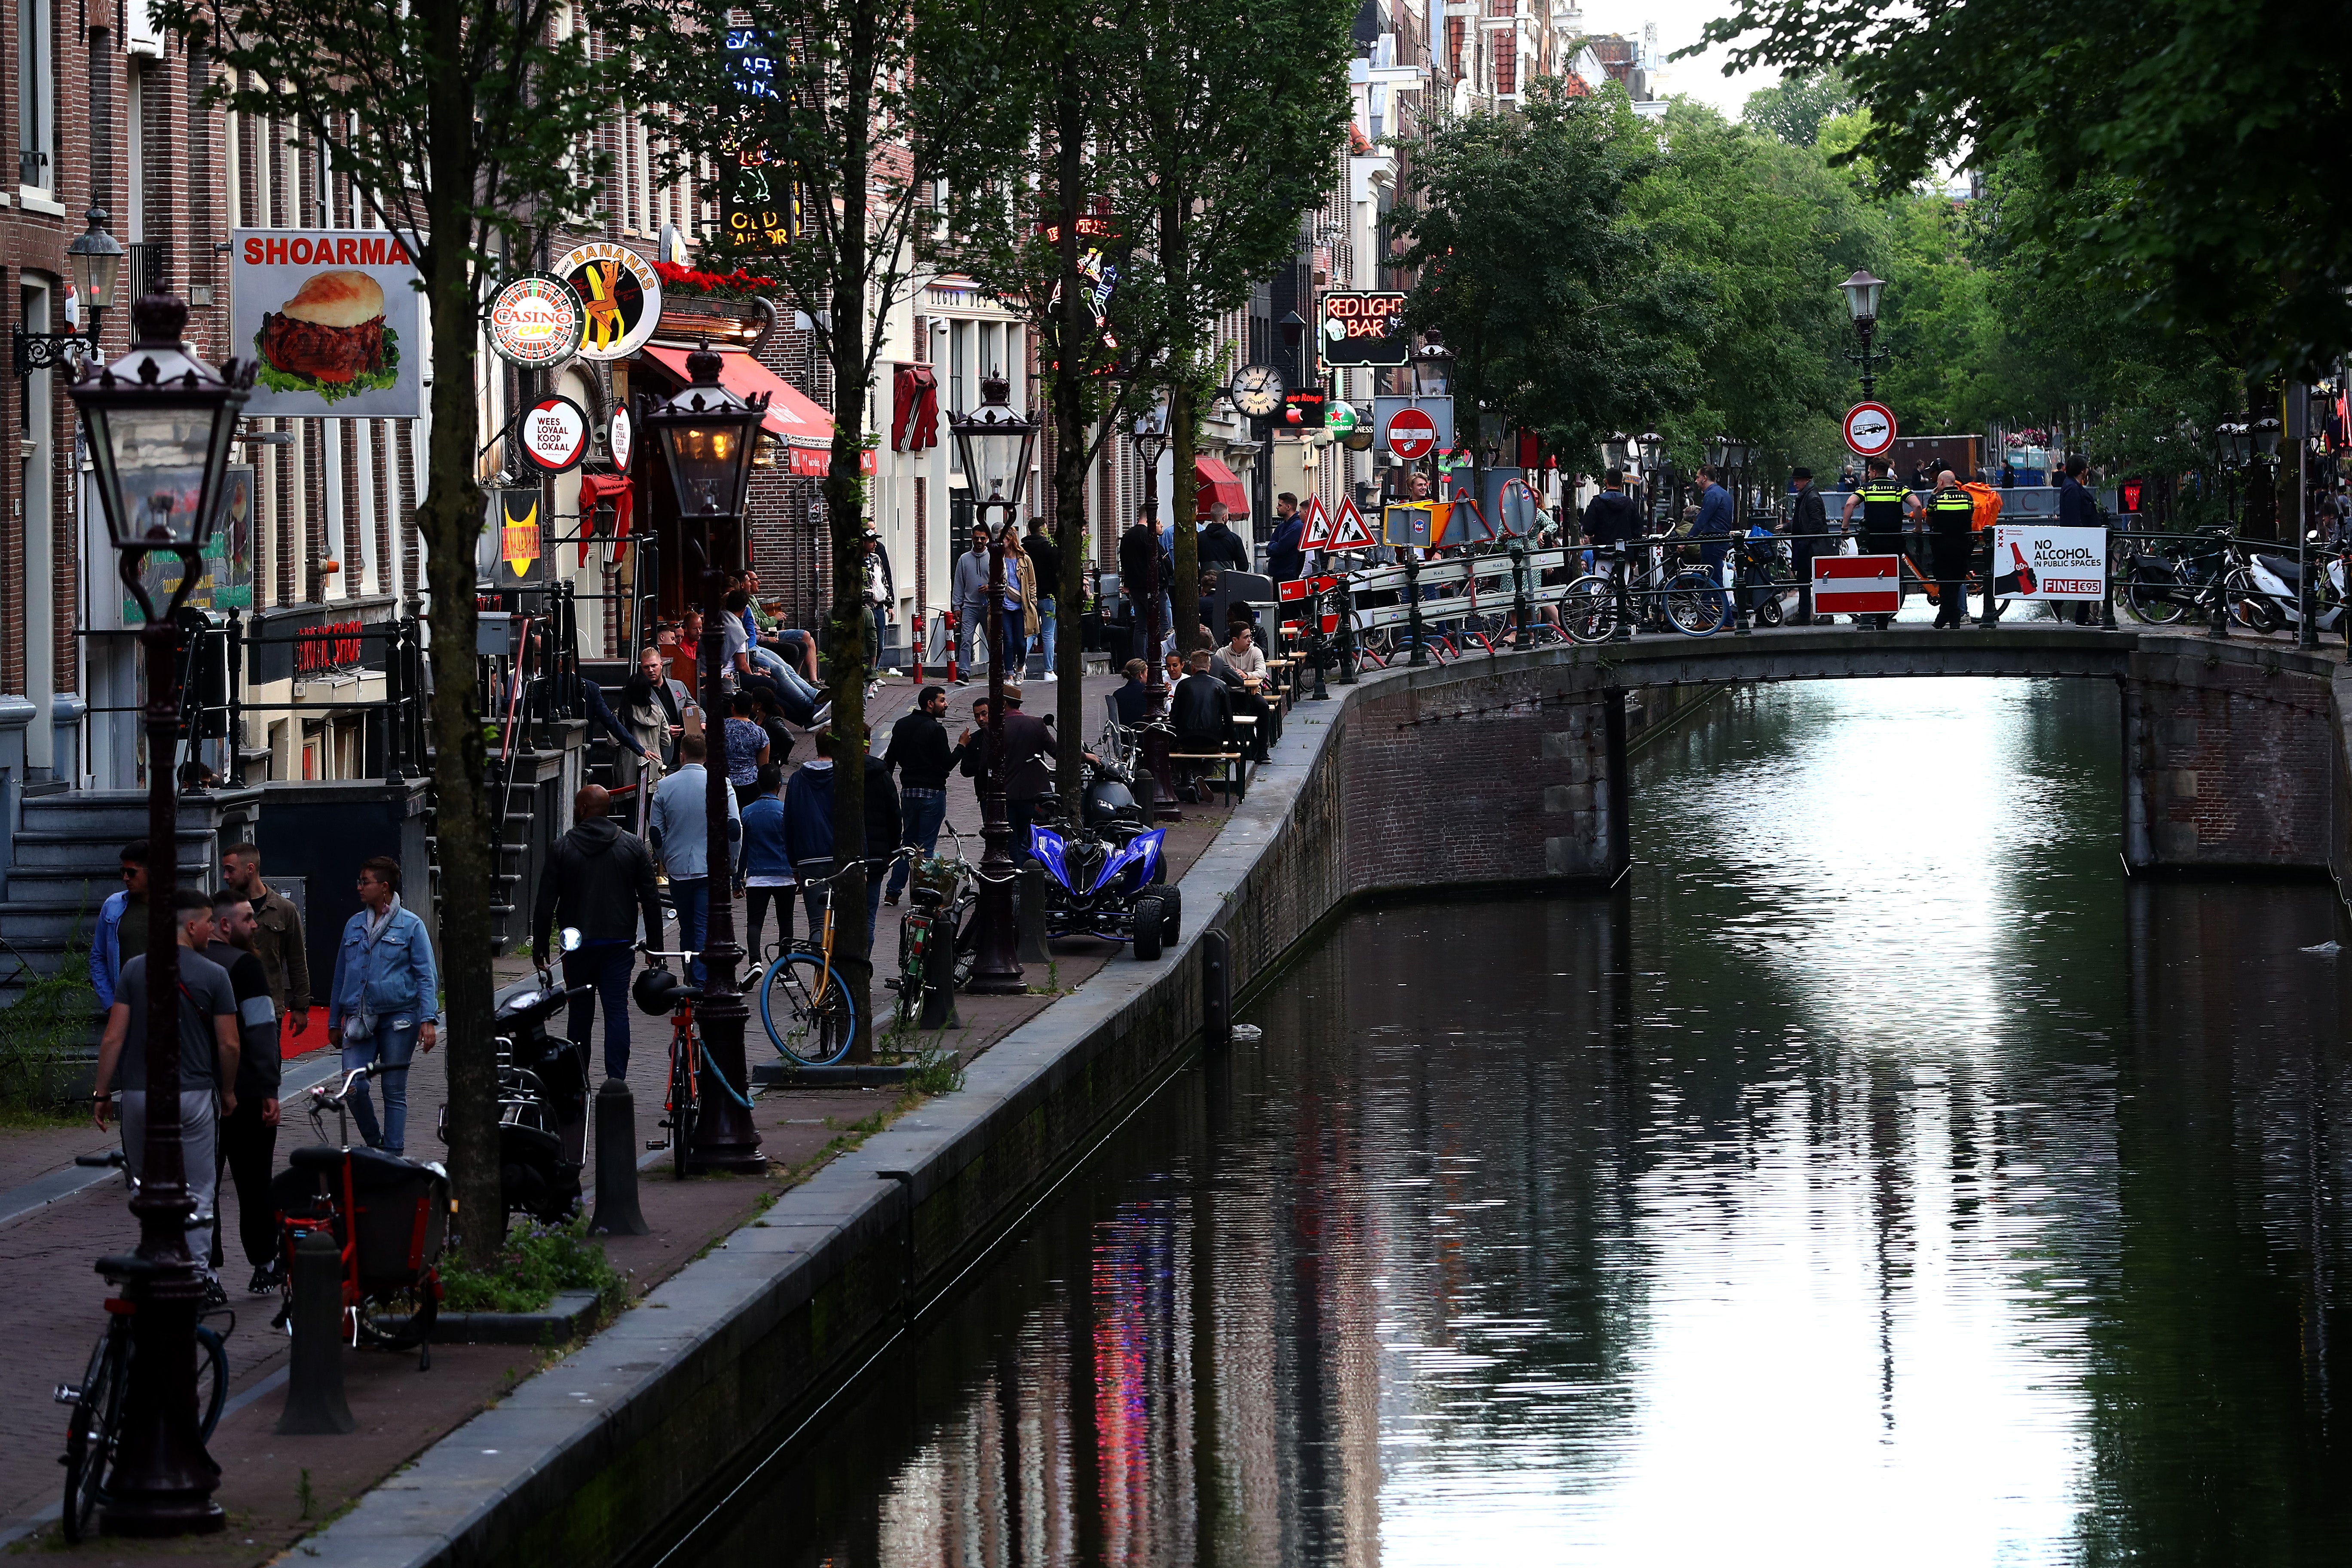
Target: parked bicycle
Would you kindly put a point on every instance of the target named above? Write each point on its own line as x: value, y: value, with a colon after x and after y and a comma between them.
x: 809, y: 1013
x: 94, y: 1429
x: 1659, y: 592
x: 389, y: 1218
x: 659, y: 992
x: 938, y: 937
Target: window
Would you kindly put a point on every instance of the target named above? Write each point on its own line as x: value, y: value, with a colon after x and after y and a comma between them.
x: 37, y: 95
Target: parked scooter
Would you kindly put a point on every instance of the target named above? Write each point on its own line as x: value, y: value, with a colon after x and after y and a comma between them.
x: 2276, y: 579
x: 543, y: 1100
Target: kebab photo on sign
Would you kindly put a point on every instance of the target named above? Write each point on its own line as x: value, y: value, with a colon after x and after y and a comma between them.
x: 330, y: 338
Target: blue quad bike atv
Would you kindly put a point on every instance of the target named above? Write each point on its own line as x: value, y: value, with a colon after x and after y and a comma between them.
x: 1109, y: 878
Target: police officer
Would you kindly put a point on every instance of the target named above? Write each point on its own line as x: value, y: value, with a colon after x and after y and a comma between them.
x: 1884, y: 502
x: 1952, y: 523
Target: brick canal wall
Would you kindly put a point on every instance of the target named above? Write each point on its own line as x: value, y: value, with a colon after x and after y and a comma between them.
x: 1482, y: 774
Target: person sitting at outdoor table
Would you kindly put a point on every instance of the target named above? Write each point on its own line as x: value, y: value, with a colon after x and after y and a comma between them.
x: 1201, y: 709
x: 1241, y: 667
x: 1175, y: 667
x: 1133, y: 700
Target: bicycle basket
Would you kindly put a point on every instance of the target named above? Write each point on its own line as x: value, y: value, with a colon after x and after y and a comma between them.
x: 403, y: 1218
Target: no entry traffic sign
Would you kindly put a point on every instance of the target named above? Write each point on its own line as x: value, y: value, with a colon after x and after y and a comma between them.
x: 1857, y: 585
x: 1412, y: 434
x: 1870, y: 429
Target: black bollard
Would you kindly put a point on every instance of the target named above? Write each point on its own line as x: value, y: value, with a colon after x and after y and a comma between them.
x: 1030, y: 936
x: 315, y: 1405
x: 616, y: 1166
x: 1216, y: 990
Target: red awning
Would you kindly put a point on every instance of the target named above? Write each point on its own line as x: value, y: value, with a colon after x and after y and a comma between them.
x: 790, y: 417
x: 1218, y: 484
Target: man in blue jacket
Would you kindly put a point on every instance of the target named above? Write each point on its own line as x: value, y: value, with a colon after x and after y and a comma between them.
x: 767, y: 867
x: 1713, y: 528
x: 678, y: 830
x: 106, y: 939
x: 385, y: 1003
x: 808, y: 830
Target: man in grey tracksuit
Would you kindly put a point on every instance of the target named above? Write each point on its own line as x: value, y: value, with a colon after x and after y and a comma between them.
x: 970, y: 601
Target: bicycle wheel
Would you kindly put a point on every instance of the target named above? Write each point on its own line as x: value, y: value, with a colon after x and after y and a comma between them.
x: 913, y: 942
x: 90, y: 1431
x: 967, y: 942
x: 399, y: 1318
x: 813, y: 1032
x: 1696, y: 604
x: 2156, y: 603
x: 1588, y: 611
x: 681, y: 1103
x: 212, y: 1379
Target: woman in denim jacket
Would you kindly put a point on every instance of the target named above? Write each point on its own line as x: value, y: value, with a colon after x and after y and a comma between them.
x: 385, y: 1002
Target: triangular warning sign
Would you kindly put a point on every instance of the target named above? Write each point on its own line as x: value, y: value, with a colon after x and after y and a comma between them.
x: 1350, y: 533
x: 1317, y: 533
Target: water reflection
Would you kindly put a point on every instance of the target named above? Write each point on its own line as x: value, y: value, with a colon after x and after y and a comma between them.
x: 1883, y: 1180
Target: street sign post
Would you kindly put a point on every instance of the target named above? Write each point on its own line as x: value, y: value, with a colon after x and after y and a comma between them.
x: 1412, y: 434
x: 1350, y: 532
x: 1437, y: 414
x: 1869, y: 429
x: 1857, y: 585
x: 1315, y: 532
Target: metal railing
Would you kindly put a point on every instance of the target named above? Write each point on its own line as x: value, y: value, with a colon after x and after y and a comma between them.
x: 1496, y: 593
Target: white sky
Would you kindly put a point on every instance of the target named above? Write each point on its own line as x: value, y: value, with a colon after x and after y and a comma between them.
x: 1679, y: 24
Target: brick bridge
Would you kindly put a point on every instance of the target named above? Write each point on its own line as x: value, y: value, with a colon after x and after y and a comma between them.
x: 2233, y: 752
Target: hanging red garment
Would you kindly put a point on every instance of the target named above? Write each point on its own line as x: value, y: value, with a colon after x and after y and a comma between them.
x: 915, y: 408
x: 594, y: 491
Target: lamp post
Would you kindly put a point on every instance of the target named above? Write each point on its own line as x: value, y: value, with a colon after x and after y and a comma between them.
x: 159, y: 423
x: 992, y: 444
x: 96, y: 257
x: 1433, y: 376
x: 1861, y: 293
x: 708, y: 437
x: 1150, y: 446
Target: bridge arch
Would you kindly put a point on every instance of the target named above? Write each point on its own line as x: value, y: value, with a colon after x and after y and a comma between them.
x: 1511, y: 768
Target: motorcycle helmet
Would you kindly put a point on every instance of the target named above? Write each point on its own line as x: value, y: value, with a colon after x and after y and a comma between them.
x: 655, y: 990
x: 1108, y: 802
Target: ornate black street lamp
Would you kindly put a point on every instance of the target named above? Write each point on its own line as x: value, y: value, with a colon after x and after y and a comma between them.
x: 96, y: 257
x: 708, y: 437
x: 992, y: 444
x: 1862, y: 292
x: 159, y: 423
x: 1151, y: 445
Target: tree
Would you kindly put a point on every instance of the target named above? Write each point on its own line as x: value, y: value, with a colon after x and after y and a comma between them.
x: 465, y: 124
x: 1795, y: 108
x: 836, y: 110
x: 1237, y: 114
x: 1044, y: 214
x: 2225, y: 120
x: 1553, y: 302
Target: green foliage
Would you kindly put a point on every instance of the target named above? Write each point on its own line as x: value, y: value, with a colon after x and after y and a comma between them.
x: 1554, y: 304
x: 1794, y: 109
x: 534, y: 1266
x: 50, y: 1022
x: 2224, y: 121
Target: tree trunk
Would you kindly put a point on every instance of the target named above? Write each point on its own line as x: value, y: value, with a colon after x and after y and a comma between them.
x: 1186, y: 540
x: 845, y: 512
x: 1067, y: 388
x: 451, y: 520
x: 1182, y: 494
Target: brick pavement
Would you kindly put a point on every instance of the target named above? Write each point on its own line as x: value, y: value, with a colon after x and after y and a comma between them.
x: 400, y: 1410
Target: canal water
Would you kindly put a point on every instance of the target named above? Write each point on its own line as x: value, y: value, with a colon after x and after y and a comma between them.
x: 1878, y: 1178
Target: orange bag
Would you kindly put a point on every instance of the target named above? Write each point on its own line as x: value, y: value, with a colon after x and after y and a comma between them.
x: 1986, y: 509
